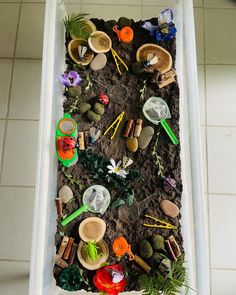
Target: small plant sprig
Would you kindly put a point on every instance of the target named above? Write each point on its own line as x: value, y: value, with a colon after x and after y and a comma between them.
x: 157, y: 284
x: 142, y: 91
x: 74, y: 107
x: 158, y: 158
x: 77, y: 26
x: 71, y: 180
x: 90, y: 84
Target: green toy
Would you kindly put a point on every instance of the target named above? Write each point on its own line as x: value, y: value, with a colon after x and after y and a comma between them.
x: 66, y: 140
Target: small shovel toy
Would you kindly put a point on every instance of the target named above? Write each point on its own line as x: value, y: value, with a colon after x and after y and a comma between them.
x: 157, y: 111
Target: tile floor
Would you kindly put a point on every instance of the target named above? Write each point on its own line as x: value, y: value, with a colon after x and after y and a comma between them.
x: 20, y: 69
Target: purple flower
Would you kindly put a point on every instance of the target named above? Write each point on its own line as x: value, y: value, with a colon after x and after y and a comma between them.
x: 71, y: 79
x: 150, y: 27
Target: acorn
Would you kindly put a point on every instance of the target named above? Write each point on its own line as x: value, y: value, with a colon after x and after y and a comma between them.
x: 84, y: 107
x: 74, y: 91
x: 99, y: 108
x: 93, y: 116
x: 137, y: 67
x: 145, y: 249
x: 124, y: 21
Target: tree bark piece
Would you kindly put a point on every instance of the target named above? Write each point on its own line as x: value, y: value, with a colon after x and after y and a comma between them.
x: 72, y: 254
x: 128, y: 128
x: 142, y: 263
x: 170, y: 250
x: 175, y: 246
x: 138, y: 127
x: 58, y: 202
x: 68, y: 248
x: 63, y: 246
x: 81, y: 141
x: 60, y: 262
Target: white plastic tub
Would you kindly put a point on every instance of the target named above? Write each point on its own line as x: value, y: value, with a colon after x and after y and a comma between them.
x: 194, y: 224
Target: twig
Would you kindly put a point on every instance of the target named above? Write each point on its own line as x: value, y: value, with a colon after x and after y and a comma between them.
x: 90, y: 84
x: 71, y: 180
x: 73, y: 106
x: 142, y: 91
x: 158, y: 158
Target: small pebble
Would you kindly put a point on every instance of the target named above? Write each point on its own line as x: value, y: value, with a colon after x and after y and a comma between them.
x: 65, y: 193
x: 132, y: 144
x: 99, y: 62
x: 145, y: 137
x: 169, y: 208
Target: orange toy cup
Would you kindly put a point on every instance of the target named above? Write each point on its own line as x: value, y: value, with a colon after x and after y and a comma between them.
x: 125, y: 35
x: 121, y: 247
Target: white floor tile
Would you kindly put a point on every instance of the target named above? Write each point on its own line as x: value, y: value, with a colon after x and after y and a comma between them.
x: 221, y: 95
x: 223, y: 282
x: 198, y: 17
x: 197, y: 3
x: 2, y: 124
x: 19, y: 161
x: 14, y: 278
x: 30, y: 37
x: 112, y: 11
x: 110, y: 2
x: 151, y: 11
x: 16, y: 217
x: 201, y: 92
x: 220, y: 27
x: 5, y: 76
x: 9, y: 14
x: 222, y: 231
x: 221, y: 159
x: 25, y: 90
x: 220, y: 3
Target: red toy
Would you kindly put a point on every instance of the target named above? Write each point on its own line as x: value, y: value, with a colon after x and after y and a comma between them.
x: 104, y: 99
x: 69, y: 143
x: 104, y: 279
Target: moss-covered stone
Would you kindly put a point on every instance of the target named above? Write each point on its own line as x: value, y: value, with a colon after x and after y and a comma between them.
x: 145, y: 249
x: 84, y: 107
x: 165, y: 266
x: 99, y: 108
x: 124, y: 21
x: 157, y: 242
x: 74, y: 91
x: 137, y: 67
x: 110, y: 24
x: 93, y: 116
x: 155, y: 260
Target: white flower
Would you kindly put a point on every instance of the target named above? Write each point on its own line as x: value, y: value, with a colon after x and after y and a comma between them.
x: 116, y: 168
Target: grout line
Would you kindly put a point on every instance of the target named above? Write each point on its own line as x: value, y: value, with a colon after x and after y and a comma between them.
x: 9, y: 94
x: 16, y: 186
x: 14, y: 260
x: 206, y: 152
x: 222, y: 194
x: 225, y: 269
x: 220, y: 8
x: 27, y: 120
x: 221, y: 126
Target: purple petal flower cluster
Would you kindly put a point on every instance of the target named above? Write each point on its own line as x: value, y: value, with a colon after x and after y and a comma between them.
x: 71, y: 79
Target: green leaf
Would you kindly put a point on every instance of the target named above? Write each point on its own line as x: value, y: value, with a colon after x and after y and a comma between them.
x: 117, y: 203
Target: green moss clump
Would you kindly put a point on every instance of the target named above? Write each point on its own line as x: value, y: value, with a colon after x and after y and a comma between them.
x: 155, y: 260
x: 70, y: 279
x: 74, y: 91
x: 99, y: 108
x: 124, y: 21
x: 157, y: 242
x: 93, y: 116
x: 110, y: 24
x: 137, y: 67
x: 84, y: 107
x: 145, y: 249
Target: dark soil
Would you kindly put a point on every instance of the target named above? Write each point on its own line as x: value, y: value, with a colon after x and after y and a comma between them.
x: 124, y: 94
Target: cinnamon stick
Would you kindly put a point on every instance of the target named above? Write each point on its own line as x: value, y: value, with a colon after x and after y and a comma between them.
x: 128, y: 128
x: 138, y: 127
x: 72, y: 254
x: 60, y: 262
x: 174, y: 245
x: 58, y: 202
x: 81, y: 141
x: 68, y: 248
x: 62, y: 247
x: 142, y: 263
x: 170, y: 250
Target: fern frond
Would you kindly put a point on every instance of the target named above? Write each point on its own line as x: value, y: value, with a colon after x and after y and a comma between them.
x: 76, y: 26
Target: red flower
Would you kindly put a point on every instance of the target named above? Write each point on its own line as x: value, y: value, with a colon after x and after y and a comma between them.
x: 103, y: 280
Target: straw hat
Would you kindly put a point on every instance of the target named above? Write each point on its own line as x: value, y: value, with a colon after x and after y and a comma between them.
x: 164, y: 63
x: 74, y: 53
x: 99, y: 42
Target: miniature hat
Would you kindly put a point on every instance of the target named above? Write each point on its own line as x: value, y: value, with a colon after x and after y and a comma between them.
x: 73, y: 50
x: 92, y: 229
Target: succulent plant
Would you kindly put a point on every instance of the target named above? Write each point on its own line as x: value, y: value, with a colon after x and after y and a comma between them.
x: 124, y: 21
x: 84, y: 107
x: 145, y: 249
x: 157, y: 242
x: 99, y: 108
x: 74, y: 91
x: 110, y: 24
x: 93, y: 116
